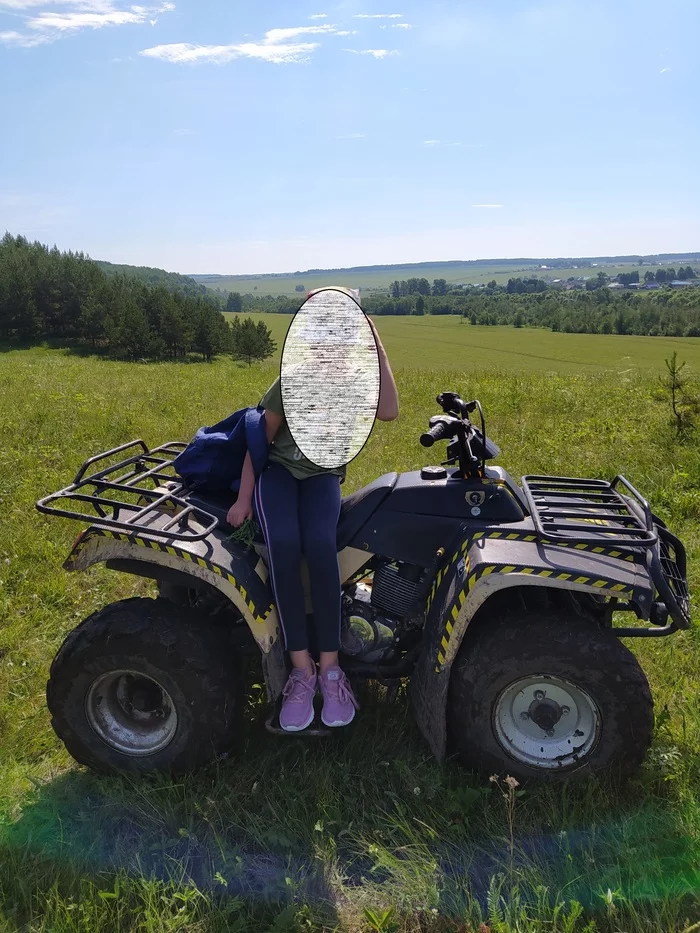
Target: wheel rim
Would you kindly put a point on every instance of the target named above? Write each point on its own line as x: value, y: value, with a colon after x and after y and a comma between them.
x: 546, y: 722
x: 131, y: 712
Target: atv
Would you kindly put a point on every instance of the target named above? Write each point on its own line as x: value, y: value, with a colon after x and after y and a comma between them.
x: 500, y: 601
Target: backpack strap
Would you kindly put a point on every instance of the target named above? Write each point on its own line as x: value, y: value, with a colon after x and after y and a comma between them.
x: 256, y: 439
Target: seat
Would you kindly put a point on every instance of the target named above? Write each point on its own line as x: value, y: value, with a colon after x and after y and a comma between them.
x: 355, y: 509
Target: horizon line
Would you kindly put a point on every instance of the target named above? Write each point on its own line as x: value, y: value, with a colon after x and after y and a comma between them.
x: 627, y: 257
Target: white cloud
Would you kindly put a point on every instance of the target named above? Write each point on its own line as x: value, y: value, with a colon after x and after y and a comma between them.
x: 396, y: 26
x: 18, y: 38
x: 441, y: 144
x: 273, y: 36
x: 487, y: 205
x: 352, y: 136
x: 319, y: 16
x: 26, y: 4
x: 346, y: 32
x: 182, y: 53
x: 375, y: 53
x: 47, y: 26
x: 664, y: 70
x: 69, y: 21
x: 378, y: 16
x: 274, y: 48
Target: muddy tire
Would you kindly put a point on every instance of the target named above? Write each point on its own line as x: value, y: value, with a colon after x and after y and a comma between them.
x: 546, y: 695
x: 145, y: 685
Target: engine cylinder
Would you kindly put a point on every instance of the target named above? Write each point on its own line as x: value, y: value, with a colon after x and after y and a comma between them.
x: 395, y: 587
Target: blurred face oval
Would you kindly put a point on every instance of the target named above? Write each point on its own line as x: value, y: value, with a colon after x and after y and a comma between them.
x: 330, y: 378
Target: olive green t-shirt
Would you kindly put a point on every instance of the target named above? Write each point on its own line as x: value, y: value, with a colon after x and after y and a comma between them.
x: 283, y: 450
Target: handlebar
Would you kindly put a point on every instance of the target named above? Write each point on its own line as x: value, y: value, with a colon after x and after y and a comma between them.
x: 436, y: 433
x: 455, y: 426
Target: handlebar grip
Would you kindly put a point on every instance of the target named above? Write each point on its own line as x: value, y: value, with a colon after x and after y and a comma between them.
x: 436, y: 433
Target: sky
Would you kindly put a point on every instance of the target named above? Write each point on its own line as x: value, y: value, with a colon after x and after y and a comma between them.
x: 218, y: 136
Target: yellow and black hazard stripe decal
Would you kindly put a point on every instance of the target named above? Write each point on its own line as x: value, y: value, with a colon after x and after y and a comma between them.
x: 593, y: 548
x: 618, y: 590
x: 175, y: 551
x: 528, y: 536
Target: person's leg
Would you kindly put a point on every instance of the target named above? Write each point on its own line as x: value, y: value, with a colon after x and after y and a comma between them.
x: 277, y: 507
x: 277, y: 510
x: 319, y: 509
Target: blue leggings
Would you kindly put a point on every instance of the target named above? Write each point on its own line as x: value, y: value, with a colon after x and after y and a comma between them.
x: 300, y: 517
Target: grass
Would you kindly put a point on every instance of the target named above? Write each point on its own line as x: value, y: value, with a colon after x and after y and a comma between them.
x: 365, y: 831
x: 380, y: 279
x: 426, y: 343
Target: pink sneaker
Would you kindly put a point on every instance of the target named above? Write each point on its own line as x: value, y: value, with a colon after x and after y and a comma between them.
x: 298, y: 704
x: 339, y: 703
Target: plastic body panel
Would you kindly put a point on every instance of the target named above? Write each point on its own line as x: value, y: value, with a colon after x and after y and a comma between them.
x: 227, y: 566
x: 492, y: 559
x: 420, y: 516
x: 454, y: 497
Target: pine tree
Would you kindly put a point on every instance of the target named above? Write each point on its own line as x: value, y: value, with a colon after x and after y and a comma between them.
x: 234, y: 302
x: 252, y: 342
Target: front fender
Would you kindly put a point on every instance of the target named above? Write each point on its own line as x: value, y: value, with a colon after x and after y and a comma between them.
x: 490, y: 561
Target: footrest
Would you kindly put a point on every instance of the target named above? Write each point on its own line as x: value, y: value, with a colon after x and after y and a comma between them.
x: 272, y: 724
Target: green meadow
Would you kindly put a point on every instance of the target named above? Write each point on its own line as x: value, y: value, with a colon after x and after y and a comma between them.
x: 364, y: 831
x: 445, y: 342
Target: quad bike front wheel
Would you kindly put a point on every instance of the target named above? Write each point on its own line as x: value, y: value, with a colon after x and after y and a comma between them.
x: 547, y: 695
x: 144, y: 685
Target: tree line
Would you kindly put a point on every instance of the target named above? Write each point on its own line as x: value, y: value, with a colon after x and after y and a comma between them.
x: 64, y: 296
x: 528, y: 302
x: 67, y: 297
x: 665, y: 312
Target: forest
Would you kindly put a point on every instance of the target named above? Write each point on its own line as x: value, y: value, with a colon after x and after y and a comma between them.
x: 67, y: 298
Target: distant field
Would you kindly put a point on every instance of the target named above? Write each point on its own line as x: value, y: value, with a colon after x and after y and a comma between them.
x: 432, y: 343
x: 380, y: 280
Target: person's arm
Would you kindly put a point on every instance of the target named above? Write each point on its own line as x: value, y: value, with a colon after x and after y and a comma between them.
x: 242, y: 508
x: 388, y: 407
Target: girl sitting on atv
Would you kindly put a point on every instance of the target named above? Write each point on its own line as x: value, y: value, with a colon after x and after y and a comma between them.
x: 297, y: 505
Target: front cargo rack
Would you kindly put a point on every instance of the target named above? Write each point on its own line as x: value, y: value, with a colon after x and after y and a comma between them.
x: 576, y: 510
x: 612, y: 514
x: 132, y: 493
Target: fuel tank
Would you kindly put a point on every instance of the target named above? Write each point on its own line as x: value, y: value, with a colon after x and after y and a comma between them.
x: 426, y: 508
x: 436, y: 491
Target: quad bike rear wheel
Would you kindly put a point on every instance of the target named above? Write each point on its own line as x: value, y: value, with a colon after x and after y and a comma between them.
x: 145, y: 685
x: 547, y: 695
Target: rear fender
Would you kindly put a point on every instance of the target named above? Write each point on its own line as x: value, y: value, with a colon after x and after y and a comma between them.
x: 487, y: 562
x: 222, y: 564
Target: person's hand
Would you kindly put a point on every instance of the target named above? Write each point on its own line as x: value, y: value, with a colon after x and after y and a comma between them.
x: 239, y: 512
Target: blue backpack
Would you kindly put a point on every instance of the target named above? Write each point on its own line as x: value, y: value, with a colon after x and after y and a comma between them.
x: 213, y: 460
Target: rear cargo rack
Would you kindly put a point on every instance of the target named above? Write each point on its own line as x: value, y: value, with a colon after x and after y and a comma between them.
x: 580, y: 510
x: 130, y: 495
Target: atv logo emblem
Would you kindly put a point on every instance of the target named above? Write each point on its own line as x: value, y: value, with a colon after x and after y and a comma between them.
x: 475, y: 498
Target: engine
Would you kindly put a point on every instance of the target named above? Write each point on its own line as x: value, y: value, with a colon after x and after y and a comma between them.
x: 373, y: 615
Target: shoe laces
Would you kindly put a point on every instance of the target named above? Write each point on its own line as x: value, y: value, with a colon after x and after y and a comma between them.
x: 344, y: 690
x: 298, y: 686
